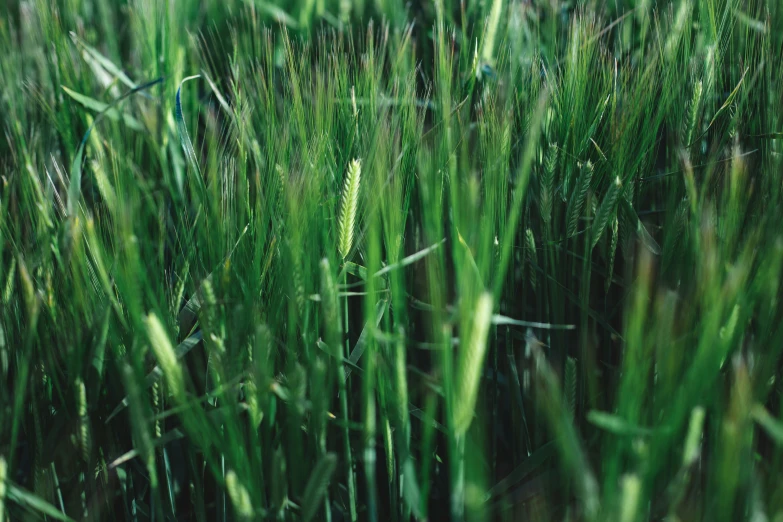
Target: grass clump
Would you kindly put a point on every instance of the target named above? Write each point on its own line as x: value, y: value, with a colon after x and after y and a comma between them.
x: 549, y: 289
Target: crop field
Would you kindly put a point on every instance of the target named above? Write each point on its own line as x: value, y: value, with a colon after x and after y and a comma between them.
x: 391, y: 261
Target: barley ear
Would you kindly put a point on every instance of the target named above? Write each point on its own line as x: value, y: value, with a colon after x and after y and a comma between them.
x: 577, y: 201
x: 240, y: 497
x: 531, y: 256
x: 548, y: 183
x: 612, y: 253
x: 84, y: 423
x: 470, y: 364
x: 607, y: 209
x: 167, y: 358
x: 348, y: 207
x: 692, y: 115
x: 569, y: 388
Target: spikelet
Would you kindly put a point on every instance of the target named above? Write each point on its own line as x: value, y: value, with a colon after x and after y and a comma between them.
x: 607, y: 209
x: 299, y: 285
x: 179, y: 290
x: 569, y: 388
x: 281, y: 187
x: 84, y: 427
x: 470, y: 364
x: 167, y: 358
x: 208, y: 317
x: 156, y: 407
x: 240, y: 498
x: 251, y: 399
x: 612, y: 253
x: 692, y: 115
x: 577, y: 201
x: 548, y: 183
x: 348, y: 207
x: 530, y: 243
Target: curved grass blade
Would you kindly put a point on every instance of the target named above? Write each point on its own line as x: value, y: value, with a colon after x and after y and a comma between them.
x: 161, y: 441
x: 617, y: 425
x: 74, y: 187
x: 184, y: 138
x: 27, y: 499
x: 570, y: 446
x: 498, y: 319
x: 606, y: 210
x: 409, y: 260
x: 99, y: 106
x: 644, y: 236
x: 330, y: 352
x: 729, y: 101
x: 772, y: 426
x: 104, y: 62
x: 528, y: 466
x: 380, y: 309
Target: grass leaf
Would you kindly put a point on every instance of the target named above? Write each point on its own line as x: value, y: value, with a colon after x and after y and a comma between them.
x: 317, y: 485
x: 97, y: 106
x: 74, y: 187
x: 34, y: 502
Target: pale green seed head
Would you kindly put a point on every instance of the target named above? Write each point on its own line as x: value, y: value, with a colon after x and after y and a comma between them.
x: 348, y: 208
x: 167, y: 358
x: 240, y: 497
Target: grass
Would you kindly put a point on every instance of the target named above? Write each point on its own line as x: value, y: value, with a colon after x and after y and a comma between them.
x: 391, y: 261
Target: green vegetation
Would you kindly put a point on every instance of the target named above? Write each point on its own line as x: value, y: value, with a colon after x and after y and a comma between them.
x: 389, y: 261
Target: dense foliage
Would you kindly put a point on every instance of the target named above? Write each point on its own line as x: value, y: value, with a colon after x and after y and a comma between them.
x: 389, y: 261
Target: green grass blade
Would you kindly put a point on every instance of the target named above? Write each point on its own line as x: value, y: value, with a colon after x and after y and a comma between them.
x: 74, y: 187
x: 34, y: 502
x: 100, y: 107
x: 317, y: 485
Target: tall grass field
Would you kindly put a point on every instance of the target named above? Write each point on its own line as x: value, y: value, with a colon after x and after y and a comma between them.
x: 391, y: 260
